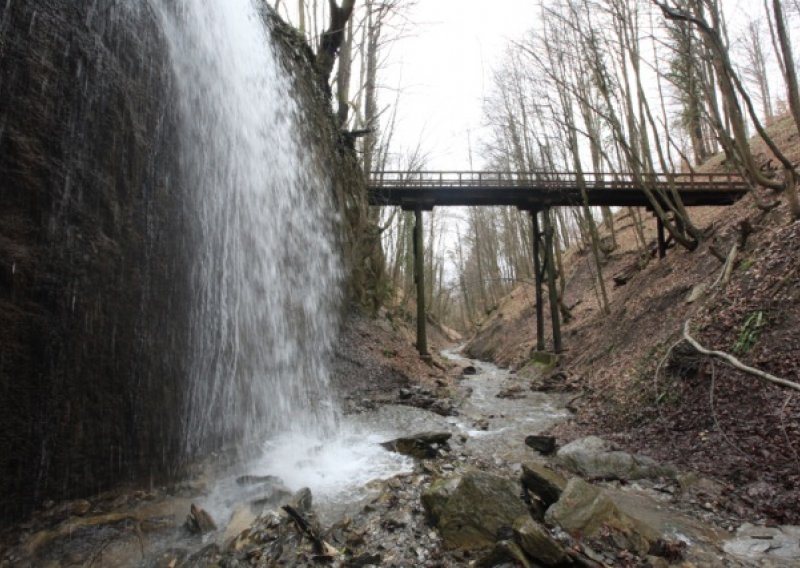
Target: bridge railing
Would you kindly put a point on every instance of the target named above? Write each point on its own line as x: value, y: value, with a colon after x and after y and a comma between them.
x: 550, y: 180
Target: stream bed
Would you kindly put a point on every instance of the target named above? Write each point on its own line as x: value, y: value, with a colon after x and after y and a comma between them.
x: 354, y: 480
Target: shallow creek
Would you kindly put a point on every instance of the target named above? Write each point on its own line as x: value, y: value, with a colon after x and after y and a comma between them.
x: 345, y: 472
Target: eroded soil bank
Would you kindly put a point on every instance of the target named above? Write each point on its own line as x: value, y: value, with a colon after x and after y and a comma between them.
x: 464, y: 489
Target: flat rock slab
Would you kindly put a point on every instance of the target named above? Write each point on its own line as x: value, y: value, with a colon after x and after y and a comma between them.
x: 595, y: 458
x: 773, y: 546
x: 421, y: 446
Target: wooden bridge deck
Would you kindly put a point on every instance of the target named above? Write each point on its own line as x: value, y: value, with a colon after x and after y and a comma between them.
x: 537, y: 190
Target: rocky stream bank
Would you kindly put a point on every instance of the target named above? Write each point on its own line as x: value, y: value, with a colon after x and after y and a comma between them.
x: 476, y: 484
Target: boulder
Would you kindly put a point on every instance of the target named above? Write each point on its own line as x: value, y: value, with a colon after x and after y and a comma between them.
x: 420, y: 446
x: 302, y: 501
x: 586, y: 511
x: 469, y: 370
x: 545, y: 483
x: 198, y: 521
x: 543, y: 444
x: 541, y: 363
x: 595, y: 458
x: 537, y: 543
x: 471, y: 509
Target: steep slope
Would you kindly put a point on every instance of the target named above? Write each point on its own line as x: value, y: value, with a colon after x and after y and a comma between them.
x: 694, y: 411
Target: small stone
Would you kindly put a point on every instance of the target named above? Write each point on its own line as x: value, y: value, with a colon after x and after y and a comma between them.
x: 515, y: 392
x: 443, y: 407
x: 257, y: 479
x: 365, y: 560
x: 697, y: 293
x: 543, y: 444
x: 469, y: 370
x: 198, y: 521
x: 302, y: 500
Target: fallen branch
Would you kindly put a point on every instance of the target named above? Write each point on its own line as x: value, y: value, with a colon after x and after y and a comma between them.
x: 320, y: 546
x: 726, y: 275
x: 733, y: 361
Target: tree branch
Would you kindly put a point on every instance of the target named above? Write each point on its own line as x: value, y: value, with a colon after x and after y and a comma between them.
x: 733, y: 361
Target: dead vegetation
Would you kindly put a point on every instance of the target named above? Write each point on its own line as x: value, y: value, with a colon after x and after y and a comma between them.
x: 688, y: 408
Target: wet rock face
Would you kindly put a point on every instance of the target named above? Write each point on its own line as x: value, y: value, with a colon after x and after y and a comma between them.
x: 93, y: 251
x: 97, y: 245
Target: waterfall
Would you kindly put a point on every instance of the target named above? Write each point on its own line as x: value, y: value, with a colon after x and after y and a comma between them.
x: 266, y: 277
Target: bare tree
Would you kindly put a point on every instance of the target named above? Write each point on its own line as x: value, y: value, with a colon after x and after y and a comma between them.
x: 756, y: 69
x: 333, y: 37
x: 732, y: 90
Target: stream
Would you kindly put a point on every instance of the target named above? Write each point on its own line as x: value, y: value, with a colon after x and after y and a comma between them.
x: 348, y: 472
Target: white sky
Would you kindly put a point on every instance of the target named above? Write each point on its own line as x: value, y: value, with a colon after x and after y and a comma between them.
x: 444, y: 68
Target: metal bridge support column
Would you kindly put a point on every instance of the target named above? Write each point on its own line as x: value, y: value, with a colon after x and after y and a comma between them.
x: 419, y: 278
x: 662, y: 239
x: 551, y: 281
x: 537, y: 270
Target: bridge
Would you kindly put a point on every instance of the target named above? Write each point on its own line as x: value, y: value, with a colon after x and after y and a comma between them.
x: 536, y: 192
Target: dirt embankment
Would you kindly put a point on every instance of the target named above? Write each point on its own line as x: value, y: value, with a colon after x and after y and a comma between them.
x: 376, y: 357
x: 694, y: 411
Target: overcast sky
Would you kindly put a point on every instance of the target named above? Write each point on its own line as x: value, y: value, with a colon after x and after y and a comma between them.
x: 444, y: 68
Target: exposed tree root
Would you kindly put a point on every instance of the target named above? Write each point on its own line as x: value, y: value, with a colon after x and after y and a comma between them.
x: 733, y: 361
